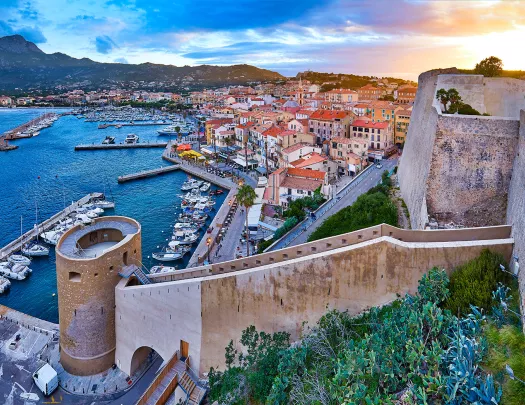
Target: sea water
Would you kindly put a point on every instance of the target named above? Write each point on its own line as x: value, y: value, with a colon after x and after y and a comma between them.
x: 46, y: 172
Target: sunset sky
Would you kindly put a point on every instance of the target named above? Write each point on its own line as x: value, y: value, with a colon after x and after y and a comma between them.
x: 384, y: 38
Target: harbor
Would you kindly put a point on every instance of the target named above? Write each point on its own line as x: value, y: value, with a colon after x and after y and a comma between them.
x: 16, y: 245
x: 133, y: 124
x: 30, y: 128
x: 144, y: 145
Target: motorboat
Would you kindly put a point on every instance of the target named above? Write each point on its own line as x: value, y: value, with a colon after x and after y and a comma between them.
x: 216, y: 192
x: 191, y: 184
x: 83, y: 218
x: 51, y: 237
x: 175, y: 251
x: 92, y: 214
x: 185, y: 237
x: 35, y: 250
x: 162, y: 269
x: 14, y: 271
x: 104, y: 204
x: 109, y: 140
x: 19, y: 259
x: 205, y: 187
x: 5, y: 284
x: 185, y: 226
x: 131, y: 139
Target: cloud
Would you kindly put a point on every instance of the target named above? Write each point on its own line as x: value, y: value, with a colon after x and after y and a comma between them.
x: 104, y: 44
x: 32, y: 34
x: 122, y: 60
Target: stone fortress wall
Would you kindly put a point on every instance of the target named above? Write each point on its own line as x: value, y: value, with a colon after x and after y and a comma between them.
x: 277, y: 291
x: 455, y: 167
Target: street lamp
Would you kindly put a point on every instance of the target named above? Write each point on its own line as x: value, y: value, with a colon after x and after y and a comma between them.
x: 208, y: 243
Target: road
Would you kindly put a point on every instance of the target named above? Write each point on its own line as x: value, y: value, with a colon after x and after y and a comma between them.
x: 345, y: 197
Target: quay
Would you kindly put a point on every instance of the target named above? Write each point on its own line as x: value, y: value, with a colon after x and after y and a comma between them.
x: 18, y: 132
x: 5, y: 146
x: 148, y: 173
x: 134, y: 124
x: 16, y: 245
x: 121, y: 146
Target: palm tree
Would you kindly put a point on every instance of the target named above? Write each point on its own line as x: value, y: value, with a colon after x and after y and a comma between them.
x: 177, y: 129
x: 246, y: 197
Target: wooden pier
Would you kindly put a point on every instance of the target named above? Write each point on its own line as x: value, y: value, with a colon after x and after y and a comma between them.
x: 16, y: 245
x: 122, y: 146
x: 148, y: 173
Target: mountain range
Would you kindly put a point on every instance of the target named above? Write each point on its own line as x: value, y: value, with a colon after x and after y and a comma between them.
x: 26, y: 68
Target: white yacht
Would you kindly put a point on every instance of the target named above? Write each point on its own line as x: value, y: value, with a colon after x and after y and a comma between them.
x: 14, y: 271
x: 205, y: 187
x: 162, y: 269
x: 185, y: 226
x: 131, y: 139
x: 4, y: 284
x: 34, y: 250
x: 185, y: 237
x: 191, y: 184
x: 174, y: 251
x: 104, y: 204
x: 19, y: 259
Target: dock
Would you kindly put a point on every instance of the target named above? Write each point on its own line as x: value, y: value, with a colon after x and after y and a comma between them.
x: 18, y: 132
x: 148, y: 173
x: 134, y: 124
x: 122, y: 146
x: 16, y: 245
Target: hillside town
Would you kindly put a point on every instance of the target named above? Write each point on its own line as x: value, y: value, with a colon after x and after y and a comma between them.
x: 299, y: 137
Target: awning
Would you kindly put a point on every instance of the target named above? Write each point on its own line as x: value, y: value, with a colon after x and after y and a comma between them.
x: 261, y: 169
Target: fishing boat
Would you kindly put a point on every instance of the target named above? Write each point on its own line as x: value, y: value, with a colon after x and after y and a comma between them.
x: 185, y: 226
x: 19, y: 259
x: 14, y: 271
x: 109, y: 140
x: 5, y: 284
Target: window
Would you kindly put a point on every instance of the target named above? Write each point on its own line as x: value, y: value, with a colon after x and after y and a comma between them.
x: 75, y: 277
x: 378, y: 137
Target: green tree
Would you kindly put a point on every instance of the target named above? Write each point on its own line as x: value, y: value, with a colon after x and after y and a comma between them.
x: 246, y: 197
x: 442, y: 96
x: 489, y: 67
x: 177, y: 129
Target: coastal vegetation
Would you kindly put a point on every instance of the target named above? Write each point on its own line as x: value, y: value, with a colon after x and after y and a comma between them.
x: 453, y: 103
x: 412, y: 351
x: 246, y: 197
x: 372, y: 208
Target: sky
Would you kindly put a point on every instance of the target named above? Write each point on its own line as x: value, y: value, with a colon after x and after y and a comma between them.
x: 399, y: 38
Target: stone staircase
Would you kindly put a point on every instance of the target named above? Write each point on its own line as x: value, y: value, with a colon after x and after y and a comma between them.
x: 127, y: 271
x: 190, y: 387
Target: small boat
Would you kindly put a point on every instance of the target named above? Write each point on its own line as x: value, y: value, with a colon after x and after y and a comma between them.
x: 83, y: 218
x: 162, y: 269
x: 104, y: 204
x: 205, y: 187
x: 184, y: 237
x: 109, y: 140
x: 92, y: 214
x: 186, y: 226
x: 19, y: 259
x: 191, y: 184
x: 14, y: 271
x: 131, y: 139
x: 118, y: 126
x: 174, y: 251
x: 5, y: 284
x: 35, y: 250
x: 217, y: 192
x: 52, y: 237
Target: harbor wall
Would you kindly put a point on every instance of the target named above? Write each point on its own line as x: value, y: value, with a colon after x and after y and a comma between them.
x: 209, y: 311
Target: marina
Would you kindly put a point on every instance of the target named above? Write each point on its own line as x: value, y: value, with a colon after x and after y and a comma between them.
x: 30, y: 128
x: 121, y: 146
x: 132, y: 124
x: 17, y: 244
x: 57, y: 175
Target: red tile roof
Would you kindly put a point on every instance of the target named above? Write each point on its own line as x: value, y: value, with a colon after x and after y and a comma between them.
x: 301, y: 184
x: 369, y: 124
x: 328, y: 115
x: 310, y: 174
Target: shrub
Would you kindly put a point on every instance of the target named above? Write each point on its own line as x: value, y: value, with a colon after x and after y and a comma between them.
x: 473, y: 283
x: 286, y: 227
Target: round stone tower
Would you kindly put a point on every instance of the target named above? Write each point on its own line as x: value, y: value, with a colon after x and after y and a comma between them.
x: 88, y: 262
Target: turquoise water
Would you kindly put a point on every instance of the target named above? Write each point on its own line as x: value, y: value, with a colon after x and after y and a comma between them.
x: 46, y: 169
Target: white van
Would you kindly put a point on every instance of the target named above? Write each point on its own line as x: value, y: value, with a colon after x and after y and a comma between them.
x: 46, y: 378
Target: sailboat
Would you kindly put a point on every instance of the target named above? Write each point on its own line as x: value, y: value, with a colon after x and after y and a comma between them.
x: 34, y: 249
x: 20, y: 259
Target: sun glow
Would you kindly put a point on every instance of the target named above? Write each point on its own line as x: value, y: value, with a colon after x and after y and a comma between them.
x: 505, y: 45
